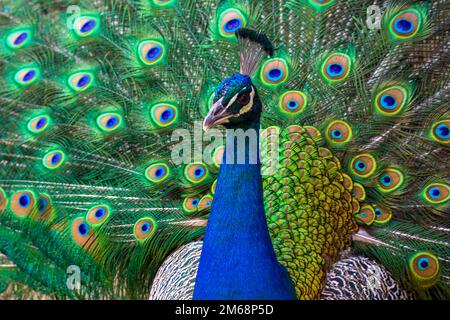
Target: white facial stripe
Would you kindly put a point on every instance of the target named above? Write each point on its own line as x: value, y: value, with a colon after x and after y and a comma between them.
x: 232, y: 100
x: 249, y: 104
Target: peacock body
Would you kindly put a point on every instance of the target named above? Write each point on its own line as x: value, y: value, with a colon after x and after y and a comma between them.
x: 96, y: 98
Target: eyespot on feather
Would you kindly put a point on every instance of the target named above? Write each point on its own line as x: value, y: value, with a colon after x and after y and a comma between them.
x: 27, y: 76
x: 97, y: 215
x: 359, y: 192
x: 163, y: 3
x: 440, y: 131
x: 231, y: 20
x: 144, y: 228
x: 23, y: 203
x: 54, y: 159
x: 363, y: 165
x: 109, y: 122
x: 81, y: 81
x: 82, y: 233
x: 151, y: 52
x: 164, y: 114
x: 436, y: 193
x: 44, y: 208
x: 293, y: 102
x: 19, y: 39
x: 339, y: 132
x: 405, y: 24
x: 424, y: 268
x: 38, y: 124
x: 274, y: 72
x: 336, y: 67
x: 3, y: 200
x: 86, y: 26
x: 218, y: 156
x: 382, y: 216
x: 196, y: 172
x: 366, y: 215
x: 321, y: 4
x: 157, y: 172
x: 391, y: 101
x: 190, y: 204
x: 205, y: 202
x: 390, y: 180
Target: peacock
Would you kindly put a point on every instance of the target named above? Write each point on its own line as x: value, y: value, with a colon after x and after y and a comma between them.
x: 224, y: 149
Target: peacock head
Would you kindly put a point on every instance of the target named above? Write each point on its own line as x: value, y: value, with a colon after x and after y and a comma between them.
x: 236, y: 103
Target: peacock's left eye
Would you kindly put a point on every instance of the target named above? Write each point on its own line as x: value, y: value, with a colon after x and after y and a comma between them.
x: 86, y: 26
x: 144, y: 228
x: 231, y: 20
x: 390, y: 180
x: 243, y: 99
x: 424, y: 269
x: 80, y: 81
x: 157, y: 172
x: 436, y: 193
x: 441, y: 131
x: 38, y: 124
x: 26, y: 76
x: 54, y: 159
x: 336, y: 67
x: 19, y: 39
x: 97, y: 215
x: 406, y: 24
x: 150, y: 52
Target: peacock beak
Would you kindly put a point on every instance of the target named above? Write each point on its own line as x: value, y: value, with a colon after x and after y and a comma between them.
x: 217, y: 115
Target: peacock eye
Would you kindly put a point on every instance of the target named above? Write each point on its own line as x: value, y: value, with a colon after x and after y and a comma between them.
x: 243, y: 98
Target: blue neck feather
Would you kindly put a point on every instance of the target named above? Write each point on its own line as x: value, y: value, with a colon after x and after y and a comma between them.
x: 238, y: 260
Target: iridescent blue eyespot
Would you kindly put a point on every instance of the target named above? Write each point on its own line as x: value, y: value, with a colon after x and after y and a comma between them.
x: 360, y: 166
x: 26, y: 76
x: 336, y: 134
x: 19, y: 39
x: 145, y: 227
x: 199, y: 172
x: 442, y: 131
x: 377, y: 212
x: 229, y: 21
x: 41, y: 204
x: 434, y: 192
x: 83, y: 229
x: 150, y: 52
x: 335, y: 70
x: 80, y: 81
x: 24, y: 200
x: 388, y: 102
x: 403, y: 26
x: 86, y: 26
x: 423, y: 263
x: 233, y: 24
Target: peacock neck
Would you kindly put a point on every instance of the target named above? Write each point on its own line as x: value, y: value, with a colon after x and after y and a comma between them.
x: 238, y: 260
